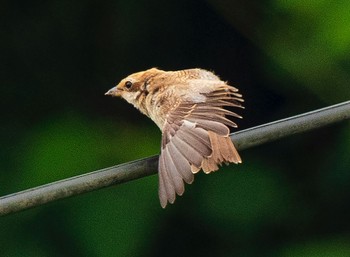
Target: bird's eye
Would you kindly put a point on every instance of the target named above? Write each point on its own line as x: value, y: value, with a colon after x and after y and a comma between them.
x: 128, y: 84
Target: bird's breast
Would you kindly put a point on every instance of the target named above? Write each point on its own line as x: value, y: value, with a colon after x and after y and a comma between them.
x: 160, y: 105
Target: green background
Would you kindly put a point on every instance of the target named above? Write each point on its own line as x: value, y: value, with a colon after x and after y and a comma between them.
x: 58, y: 58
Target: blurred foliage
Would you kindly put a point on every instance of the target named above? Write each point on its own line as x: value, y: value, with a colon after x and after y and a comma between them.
x: 59, y: 146
x: 288, y: 198
x: 337, y: 247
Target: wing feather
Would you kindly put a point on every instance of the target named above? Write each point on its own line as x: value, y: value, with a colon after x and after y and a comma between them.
x: 193, y: 141
x: 192, y: 156
x: 163, y: 196
x: 214, y: 126
x: 214, y: 117
x: 201, y: 135
x: 207, y: 109
x: 196, y: 136
x: 181, y: 164
x: 167, y: 190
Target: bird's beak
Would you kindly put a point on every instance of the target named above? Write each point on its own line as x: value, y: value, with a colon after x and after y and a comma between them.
x: 114, y: 92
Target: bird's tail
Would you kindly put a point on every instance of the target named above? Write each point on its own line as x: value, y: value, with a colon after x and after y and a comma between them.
x: 223, y: 151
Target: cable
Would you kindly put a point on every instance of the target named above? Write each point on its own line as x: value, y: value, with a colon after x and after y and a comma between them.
x: 144, y: 167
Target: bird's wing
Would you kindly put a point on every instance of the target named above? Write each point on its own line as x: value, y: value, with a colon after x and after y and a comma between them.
x: 195, y: 136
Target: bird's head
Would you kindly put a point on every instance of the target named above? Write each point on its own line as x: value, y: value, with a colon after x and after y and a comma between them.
x: 131, y: 87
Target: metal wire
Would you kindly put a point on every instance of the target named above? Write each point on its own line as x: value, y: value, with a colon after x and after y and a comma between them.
x: 144, y: 167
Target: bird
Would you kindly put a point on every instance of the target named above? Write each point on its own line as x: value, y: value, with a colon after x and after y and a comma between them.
x: 190, y: 107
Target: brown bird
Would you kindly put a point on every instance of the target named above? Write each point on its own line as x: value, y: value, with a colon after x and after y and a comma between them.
x: 188, y: 107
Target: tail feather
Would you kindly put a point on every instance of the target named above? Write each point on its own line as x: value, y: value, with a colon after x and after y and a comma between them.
x: 223, y: 150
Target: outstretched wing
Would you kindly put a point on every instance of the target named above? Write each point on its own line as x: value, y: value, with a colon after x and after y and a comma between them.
x: 196, y: 136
